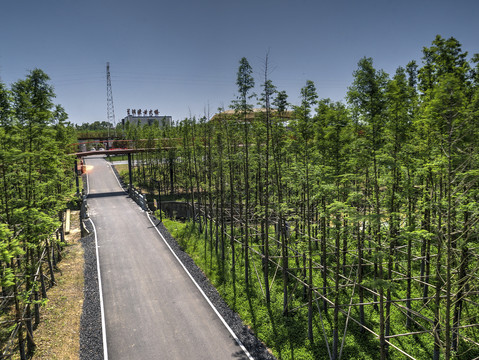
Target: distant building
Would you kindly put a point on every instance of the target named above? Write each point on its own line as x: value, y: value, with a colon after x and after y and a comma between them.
x: 146, y: 117
x: 254, y: 113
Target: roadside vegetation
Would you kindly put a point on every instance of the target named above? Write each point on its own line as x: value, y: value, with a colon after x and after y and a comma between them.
x: 285, y: 335
x: 36, y: 184
x: 95, y: 130
x: 58, y: 335
x: 337, y: 230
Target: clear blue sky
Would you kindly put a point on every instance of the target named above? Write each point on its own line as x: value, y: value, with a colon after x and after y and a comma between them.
x: 181, y: 56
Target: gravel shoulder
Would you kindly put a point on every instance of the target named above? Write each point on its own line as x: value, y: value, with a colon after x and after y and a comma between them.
x: 91, y: 341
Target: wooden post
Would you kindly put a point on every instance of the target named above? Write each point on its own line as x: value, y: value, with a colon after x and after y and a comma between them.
x: 50, y: 266
x: 37, y: 308
x: 130, y: 185
x: 159, y: 199
x: 75, y: 169
x: 29, y: 331
x: 67, y: 222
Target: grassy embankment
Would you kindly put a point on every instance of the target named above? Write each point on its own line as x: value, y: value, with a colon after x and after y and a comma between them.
x: 58, y: 334
x: 286, y: 336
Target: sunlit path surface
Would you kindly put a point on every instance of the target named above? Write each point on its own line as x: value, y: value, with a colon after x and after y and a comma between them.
x: 152, y: 308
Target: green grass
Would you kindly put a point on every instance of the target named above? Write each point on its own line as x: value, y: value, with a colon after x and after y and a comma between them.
x: 117, y: 157
x: 287, y: 336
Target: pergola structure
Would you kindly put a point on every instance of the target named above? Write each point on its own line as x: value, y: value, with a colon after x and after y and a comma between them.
x: 79, y: 155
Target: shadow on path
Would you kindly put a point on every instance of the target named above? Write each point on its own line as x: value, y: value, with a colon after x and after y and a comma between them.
x: 107, y: 194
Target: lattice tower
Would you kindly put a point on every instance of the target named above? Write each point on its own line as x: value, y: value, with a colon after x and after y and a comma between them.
x: 109, y: 100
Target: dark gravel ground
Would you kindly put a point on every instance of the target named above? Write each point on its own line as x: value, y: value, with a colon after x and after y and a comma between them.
x: 91, y: 343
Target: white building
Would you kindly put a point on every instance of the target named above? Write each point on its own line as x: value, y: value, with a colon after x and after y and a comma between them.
x: 146, y: 117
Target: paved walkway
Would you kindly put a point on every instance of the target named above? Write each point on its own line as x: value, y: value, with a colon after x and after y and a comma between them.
x: 152, y: 308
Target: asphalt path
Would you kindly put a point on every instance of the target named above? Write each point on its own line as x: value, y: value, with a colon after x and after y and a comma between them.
x: 152, y: 308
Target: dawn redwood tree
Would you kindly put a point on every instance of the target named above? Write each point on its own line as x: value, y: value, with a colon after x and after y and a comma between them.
x: 446, y: 109
x: 245, y: 83
x: 399, y: 97
x: 35, y: 179
x: 444, y: 56
x: 367, y: 97
x: 444, y: 81
x: 333, y: 128
x: 278, y: 134
x: 304, y: 133
x: 402, y: 107
x: 9, y: 247
x: 229, y: 129
x: 5, y: 147
x: 266, y: 97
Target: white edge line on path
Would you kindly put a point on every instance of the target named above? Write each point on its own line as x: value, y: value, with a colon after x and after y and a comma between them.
x: 238, y: 341
x: 103, y: 326
x: 110, y: 165
x: 203, y: 293
x: 100, y: 290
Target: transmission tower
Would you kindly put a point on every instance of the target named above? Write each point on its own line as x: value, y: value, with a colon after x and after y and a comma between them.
x: 109, y: 102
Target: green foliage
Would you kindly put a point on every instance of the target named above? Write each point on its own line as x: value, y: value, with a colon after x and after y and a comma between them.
x: 94, y: 126
x: 372, y: 203
x: 36, y: 181
x: 303, y: 126
x: 445, y: 56
x: 245, y: 83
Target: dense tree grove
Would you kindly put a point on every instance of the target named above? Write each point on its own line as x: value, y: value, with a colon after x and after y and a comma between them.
x: 359, y: 218
x: 35, y: 184
x: 95, y: 130
x: 97, y: 125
